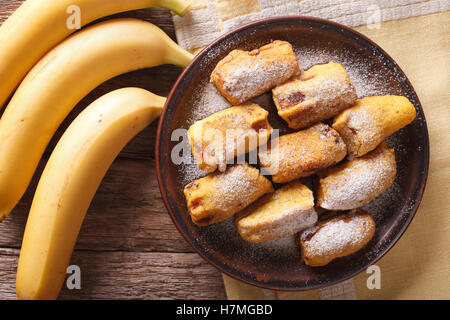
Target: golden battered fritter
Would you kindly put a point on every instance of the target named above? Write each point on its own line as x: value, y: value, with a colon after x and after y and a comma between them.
x: 287, y: 211
x: 228, y: 134
x: 220, y: 195
x: 336, y: 236
x: 242, y: 75
x: 319, y: 93
x: 365, y: 125
x: 356, y: 182
x: 302, y: 153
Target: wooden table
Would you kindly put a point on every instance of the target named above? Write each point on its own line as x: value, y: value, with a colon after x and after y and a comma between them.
x: 128, y: 247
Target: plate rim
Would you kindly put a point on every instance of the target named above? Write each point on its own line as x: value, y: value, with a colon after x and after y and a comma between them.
x: 413, y: 210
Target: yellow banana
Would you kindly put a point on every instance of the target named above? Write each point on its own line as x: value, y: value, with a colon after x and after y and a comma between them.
x: 69, y: 181
x: 38, y: 25
x: 60, y: 80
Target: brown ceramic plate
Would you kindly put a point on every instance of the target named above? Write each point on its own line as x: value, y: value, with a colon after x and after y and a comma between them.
x: 277, y: 264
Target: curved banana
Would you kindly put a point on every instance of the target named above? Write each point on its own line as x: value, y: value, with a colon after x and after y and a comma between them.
x: 69, y: 181
x: 60, y: 80
x: 38, y: 25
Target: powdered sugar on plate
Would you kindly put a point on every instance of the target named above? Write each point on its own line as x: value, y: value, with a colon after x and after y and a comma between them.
x: 367, y: 80
x: 206, y: 101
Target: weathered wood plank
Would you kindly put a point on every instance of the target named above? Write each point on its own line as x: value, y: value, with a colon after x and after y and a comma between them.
x: 129, y: 275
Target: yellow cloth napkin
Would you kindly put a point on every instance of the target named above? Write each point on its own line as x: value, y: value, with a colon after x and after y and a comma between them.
x: 418, y: 266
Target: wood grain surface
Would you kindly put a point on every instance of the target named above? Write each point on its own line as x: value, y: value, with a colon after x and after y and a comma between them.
x: 128, y: 247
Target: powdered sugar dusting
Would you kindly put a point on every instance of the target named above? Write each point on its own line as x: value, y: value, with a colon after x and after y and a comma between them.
x: 286, y: 211
x: 367, y: 80
x: 206, y: 101
x: 365, y: 123
x: 255, y: 77
x: 331, y: 89
x: 238, y: 185
x: 361, y: 120
x: 360, y: 181
x: 225, y: 232
x: 382, y: 207
x: 336, y: 235
x: 191, y: 172
x: 369, y: 75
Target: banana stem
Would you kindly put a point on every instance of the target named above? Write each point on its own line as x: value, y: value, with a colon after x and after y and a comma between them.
x: 178, y: 56
x: 180, y: 7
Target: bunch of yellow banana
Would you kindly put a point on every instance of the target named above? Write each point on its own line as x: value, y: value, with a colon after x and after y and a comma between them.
x: 47, y: 93
x: 38, y: 25
x: 60, y: 80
